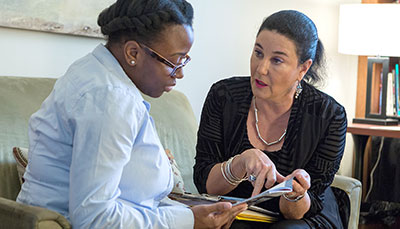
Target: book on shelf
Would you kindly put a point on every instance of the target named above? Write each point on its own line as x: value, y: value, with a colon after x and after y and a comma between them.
x: 397, y: 90
x: 393, y: 93
x: 390, y: 108
x: 380, y: 92
x: 253, y: 213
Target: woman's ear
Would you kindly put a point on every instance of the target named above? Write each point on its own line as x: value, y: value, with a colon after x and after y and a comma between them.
x: 304, y: 68
x: 131, y: 52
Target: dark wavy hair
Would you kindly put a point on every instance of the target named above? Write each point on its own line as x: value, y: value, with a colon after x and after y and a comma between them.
x: 302, y: 31
x: 143, y: 20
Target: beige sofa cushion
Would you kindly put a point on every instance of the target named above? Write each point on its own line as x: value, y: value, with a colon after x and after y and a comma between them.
x: 16, y: 215
x: 177, y: 128
x: 20, y: 97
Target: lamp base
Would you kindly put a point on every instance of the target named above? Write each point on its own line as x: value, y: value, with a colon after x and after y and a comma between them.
x: 375, y: 121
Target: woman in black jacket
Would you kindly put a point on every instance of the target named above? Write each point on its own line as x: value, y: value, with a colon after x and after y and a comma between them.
x: 274, y: 125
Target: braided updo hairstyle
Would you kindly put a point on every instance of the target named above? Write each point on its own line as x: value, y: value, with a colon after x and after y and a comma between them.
x: 143, y: 20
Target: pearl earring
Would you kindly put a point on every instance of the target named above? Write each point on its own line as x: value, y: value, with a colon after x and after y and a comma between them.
x: 133, y: 62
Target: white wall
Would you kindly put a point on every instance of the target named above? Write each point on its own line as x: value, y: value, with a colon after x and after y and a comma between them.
x: 224, y: 36
x: 39, y: 54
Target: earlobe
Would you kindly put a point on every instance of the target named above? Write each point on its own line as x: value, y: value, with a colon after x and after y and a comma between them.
x: 130, y: 52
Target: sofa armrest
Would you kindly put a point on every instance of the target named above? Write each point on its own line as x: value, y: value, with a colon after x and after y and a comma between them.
x: 17, y: 215
x: 353, y: 189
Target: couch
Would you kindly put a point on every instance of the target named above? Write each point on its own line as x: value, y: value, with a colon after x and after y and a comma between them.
x: 175, y: 122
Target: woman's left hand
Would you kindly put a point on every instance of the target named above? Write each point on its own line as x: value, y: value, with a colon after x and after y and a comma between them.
x: 301, y: 183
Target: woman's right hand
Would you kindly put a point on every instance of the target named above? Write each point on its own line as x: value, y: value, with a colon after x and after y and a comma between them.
x: 256, y: 163
x: 218, y: 215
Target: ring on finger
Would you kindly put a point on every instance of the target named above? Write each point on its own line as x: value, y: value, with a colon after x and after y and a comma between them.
x: 252, y: 178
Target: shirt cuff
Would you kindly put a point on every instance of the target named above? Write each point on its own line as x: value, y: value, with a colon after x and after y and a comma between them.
x: 180, y: 217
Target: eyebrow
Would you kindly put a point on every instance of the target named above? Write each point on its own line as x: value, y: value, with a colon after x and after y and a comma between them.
x: 280, y: 53
x: 260, y: 46
x: 276, y: 52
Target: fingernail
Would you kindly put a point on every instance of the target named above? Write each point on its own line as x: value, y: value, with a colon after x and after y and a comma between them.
x: 227, y: 205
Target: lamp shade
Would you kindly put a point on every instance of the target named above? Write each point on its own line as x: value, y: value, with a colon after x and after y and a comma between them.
x: 369, y: 29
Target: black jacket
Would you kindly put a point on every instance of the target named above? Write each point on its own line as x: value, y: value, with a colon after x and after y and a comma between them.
x: 314, y: 141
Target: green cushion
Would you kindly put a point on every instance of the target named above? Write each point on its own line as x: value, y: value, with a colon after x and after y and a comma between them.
x: 20, y: 97
x: 177, y: 128
x: 16, y: 215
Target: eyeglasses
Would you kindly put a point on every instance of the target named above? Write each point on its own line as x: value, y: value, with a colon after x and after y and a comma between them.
x: 165, y: 61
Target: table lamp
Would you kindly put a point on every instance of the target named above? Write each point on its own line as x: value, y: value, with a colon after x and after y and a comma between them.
x: 372, y: 30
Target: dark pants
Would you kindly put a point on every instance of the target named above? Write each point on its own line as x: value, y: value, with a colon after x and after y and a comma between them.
x: 329, y: 217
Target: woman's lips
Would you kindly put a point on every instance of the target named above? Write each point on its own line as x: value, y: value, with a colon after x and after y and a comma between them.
x: 169, y: 88
x: 260, y: 84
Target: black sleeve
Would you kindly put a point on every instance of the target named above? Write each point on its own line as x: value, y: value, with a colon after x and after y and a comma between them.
x: 326, y: 159
x: 209, y: 148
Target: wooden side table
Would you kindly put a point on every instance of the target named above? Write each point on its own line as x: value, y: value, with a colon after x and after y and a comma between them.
x: 361, y: 133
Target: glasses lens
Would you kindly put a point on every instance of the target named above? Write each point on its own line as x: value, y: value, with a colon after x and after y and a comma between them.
x: 182, y: 60
x: 186, y: 59
x: 173, y: 72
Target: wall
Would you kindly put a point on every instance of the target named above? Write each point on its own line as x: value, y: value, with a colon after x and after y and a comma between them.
x: 224, y: 36
x: 38, y: 54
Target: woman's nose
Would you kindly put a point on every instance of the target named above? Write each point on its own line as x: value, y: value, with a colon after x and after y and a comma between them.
x: 263, y: 67
x: 178, y: 74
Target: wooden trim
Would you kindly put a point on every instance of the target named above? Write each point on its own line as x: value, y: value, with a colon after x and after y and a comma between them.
x: 361, y: 86
x: 374, y: 130
x: 376, y: 88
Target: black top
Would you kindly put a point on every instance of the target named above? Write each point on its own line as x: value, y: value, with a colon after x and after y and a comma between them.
x: 314, y: 141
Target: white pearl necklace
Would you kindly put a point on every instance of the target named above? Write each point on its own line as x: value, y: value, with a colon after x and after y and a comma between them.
x: 258, y: 131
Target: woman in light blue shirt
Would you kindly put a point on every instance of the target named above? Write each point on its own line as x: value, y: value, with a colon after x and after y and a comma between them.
x: 93, y: 139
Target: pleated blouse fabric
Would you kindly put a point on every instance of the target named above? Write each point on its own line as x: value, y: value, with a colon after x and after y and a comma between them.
x: 314, y: 141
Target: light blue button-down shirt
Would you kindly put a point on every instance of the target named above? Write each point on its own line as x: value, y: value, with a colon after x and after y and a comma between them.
x: 94, y: 154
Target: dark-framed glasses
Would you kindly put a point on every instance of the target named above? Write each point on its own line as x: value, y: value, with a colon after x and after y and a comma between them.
x: 183, y: 61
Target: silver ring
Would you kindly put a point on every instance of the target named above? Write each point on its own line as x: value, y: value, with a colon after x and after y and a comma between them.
x: 252, y: 178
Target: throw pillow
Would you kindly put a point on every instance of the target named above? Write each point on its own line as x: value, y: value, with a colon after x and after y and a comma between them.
x: 178, y: 181
x: 21, y: 157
